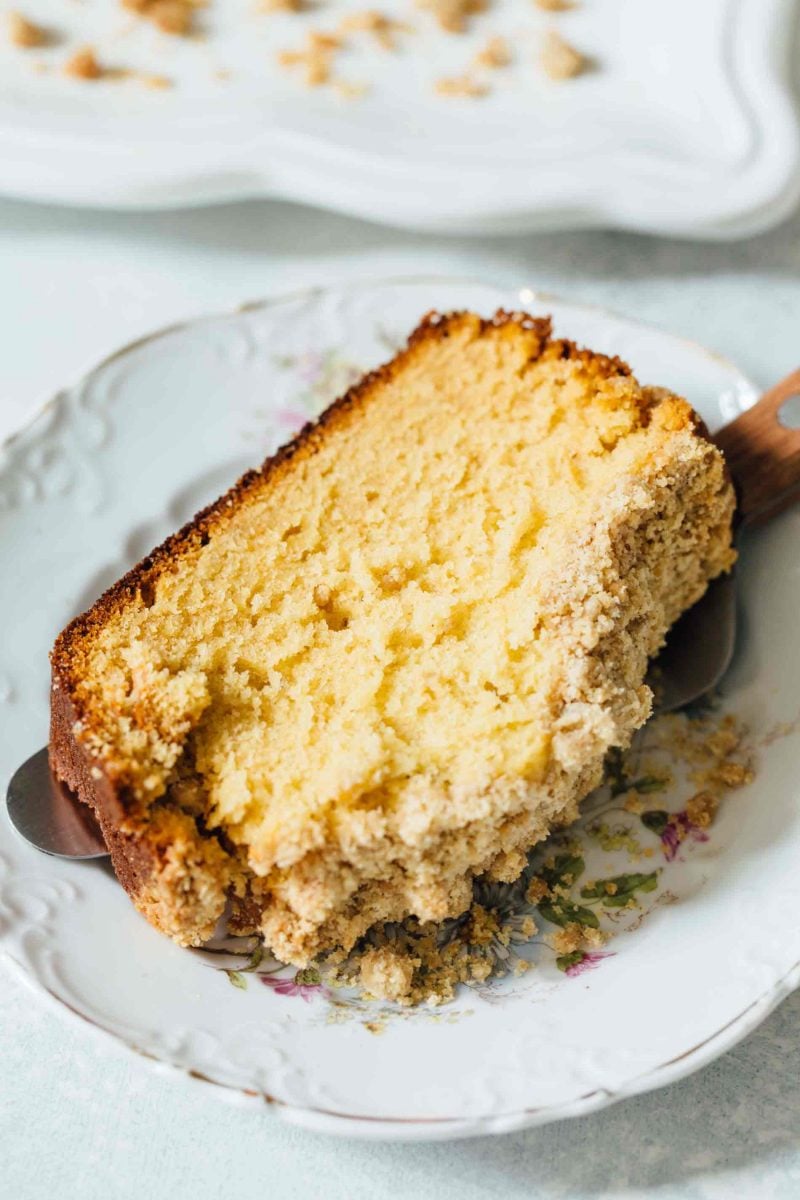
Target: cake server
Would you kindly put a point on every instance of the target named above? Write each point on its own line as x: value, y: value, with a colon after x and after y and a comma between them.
x: 762, y: 448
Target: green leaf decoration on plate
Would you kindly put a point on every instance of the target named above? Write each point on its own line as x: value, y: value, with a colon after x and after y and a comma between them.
x: 648, y: 784
x: 236, y: 978
x: 565, y: 870
x: 619, y: 781
x: 623, y: 889
x: 255, y: 958
x: 565, y: 961
x: 656, y: 820
x: 308, y: 975
x: 564, y: 912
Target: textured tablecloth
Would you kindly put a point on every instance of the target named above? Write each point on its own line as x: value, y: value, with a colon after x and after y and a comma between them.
x: 85, y: 1120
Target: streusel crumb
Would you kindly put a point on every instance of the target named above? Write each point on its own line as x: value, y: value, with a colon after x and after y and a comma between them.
x: 382, y: 28
x: 282, y: 6
x: 316, y: 58
x: 386, y: 973
x: 560, y: 60
x: 701, y: 809
x: 157, y: 83
x: 576, y: 937
x: 495, y: 53
x: 176, y: 17
x: 453, y: 15
x: 83, y: 64
x: 461, y: 85
x: 537, y: 890
x: 25, y: 34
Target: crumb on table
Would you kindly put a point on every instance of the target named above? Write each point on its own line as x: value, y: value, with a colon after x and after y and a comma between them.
x: 453, y: 15
x: 293, y: 6
x: 25, y: 34
x: 382, y: 28
x: 559, y: 60
x: 461, y: 85
x: 175, y: 17
x: 349, y: 91
x: 496, y: 53
x: 83, y: 64
x: 157, y: 83
x: 316, y: 58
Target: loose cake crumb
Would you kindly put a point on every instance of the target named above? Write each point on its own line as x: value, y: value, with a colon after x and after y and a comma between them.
x: 453, y: 15
x: 293, y: 6
x: 387, y: 974
x: 732, y: 774
x: 559, y: 60
x: 316, y: 59
x: 495, y: 54
x: 83, y: 64
x: 382, y: 28
x: 575, y: 936
x: 349, y: 91
x: 461, y: 85
x: 701, y: 809
x: 158, y: 83
x: 537, y: 890
x: 555, y: 5
x: 25, y: 34
x: 175, y: 17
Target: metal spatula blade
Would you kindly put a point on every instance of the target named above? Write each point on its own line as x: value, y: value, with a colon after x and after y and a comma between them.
x: 698, y: 649
x: 48, y: 816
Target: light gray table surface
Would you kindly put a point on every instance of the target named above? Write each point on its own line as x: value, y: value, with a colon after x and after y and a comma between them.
x: 85, y: 1120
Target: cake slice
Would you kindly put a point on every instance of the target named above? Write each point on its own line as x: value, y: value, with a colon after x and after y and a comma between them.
x: 396, y: 656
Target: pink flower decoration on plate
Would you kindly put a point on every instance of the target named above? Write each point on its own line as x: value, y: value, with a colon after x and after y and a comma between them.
x: 305, y: 988
x: 589, y: 960
x: 672, y: 830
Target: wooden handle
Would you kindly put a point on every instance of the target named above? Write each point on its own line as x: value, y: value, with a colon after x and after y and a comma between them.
x: 764, y: 456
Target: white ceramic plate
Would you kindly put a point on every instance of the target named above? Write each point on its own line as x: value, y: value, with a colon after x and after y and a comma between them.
x: 685, y: 126
x: 113, y: 464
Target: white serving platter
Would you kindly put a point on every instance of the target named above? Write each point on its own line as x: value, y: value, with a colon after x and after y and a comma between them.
x: 685, y: 125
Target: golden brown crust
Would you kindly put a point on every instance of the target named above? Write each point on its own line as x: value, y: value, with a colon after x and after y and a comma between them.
x: 132, y: 856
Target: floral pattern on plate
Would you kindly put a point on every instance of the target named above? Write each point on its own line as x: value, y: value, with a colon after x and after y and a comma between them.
x: 573, y: 896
